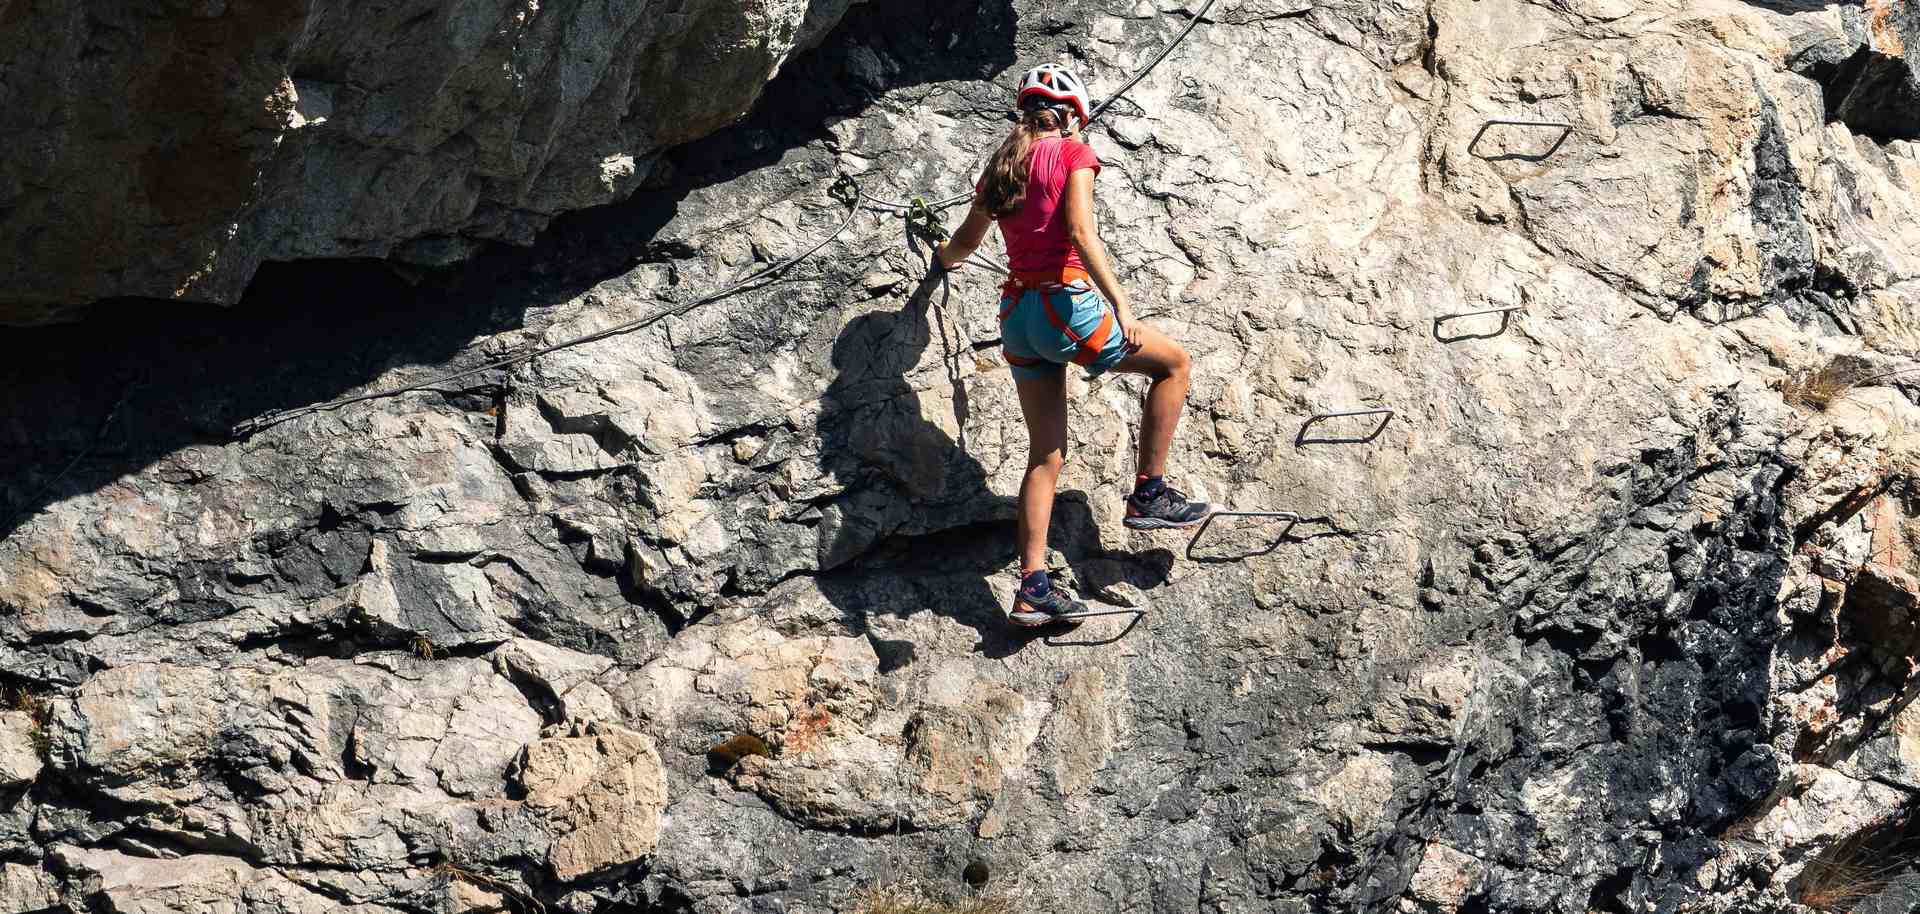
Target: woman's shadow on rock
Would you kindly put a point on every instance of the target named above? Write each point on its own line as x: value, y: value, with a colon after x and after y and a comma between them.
x: 914, y: 524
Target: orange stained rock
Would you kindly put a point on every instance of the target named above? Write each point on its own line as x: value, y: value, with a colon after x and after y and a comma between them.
x: 1882, y: 33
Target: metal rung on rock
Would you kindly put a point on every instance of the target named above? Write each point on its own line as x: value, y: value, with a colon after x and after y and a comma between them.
x: 1506, y: 317
x: 1566, y: 130
x: 1302, y: 440
x: 1101, y: 612
x: 1291, y: 518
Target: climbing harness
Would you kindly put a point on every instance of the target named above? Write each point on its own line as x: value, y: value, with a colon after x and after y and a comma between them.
x: 1046, y: 282
x: 844, y: 189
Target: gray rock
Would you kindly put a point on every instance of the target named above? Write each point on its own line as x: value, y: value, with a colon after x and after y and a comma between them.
x: 20, y: 741
x: 25, y: 888
x: 197, y: 881
x: 243, y: 133
x: 601, y: 788
x: 1867, y: 71
x: 1617, y: 612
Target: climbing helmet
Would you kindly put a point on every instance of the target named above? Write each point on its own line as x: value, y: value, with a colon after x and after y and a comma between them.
x: 1058, y: 85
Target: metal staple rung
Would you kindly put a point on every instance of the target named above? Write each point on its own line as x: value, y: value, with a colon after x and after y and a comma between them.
x: 1291, y: 518
x: 1566, y: 130
x: 1448, y: 317
x: 1101, y: 612
x: 1506, y: 320
x: 1301, y: 439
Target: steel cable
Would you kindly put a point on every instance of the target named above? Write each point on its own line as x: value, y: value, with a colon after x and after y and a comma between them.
x: 1092, y: 116
x: 253, y: 425
x: 857, y: 200
x: 1137, y: 77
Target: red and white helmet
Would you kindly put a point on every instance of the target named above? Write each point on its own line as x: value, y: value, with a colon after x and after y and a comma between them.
x: 1056, y: 84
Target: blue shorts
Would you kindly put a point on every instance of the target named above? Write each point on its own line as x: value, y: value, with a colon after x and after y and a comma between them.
x: 1028, y: 335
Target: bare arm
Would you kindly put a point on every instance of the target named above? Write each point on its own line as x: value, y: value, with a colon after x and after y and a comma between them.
x: 965, y: 238
x: 1093, y: 253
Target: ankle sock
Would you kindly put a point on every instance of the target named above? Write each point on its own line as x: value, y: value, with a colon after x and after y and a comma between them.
x: 1145, y: 486
x: 1036, y: 583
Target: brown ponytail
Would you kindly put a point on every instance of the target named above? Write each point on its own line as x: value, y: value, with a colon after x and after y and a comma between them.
x: 1004, y: 186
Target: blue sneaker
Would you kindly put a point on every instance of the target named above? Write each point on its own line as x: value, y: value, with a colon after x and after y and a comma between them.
x: 1163, y: 510
x: 1032, y: 610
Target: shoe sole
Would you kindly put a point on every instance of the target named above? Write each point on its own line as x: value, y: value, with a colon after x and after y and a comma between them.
x: 1039, y: 621
x: 1155, y: 523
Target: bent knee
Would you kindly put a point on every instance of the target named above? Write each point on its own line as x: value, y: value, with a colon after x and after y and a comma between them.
x: 1180, y: 365
x: 1053, y: 458
x: 1175, y: 365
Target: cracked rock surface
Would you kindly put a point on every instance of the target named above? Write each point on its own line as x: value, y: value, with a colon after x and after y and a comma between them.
x: 1619, y: 611
x: 244, y: 131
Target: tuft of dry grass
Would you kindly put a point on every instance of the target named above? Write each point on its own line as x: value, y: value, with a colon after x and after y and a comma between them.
x: 1839, y: 886
x: 452, y: 873
x: 424, y: 648
x: 906, y: 898
x: 1858, y: 868
x: 1818, y: 388
x: 15, y: 698
x: 37, y: 708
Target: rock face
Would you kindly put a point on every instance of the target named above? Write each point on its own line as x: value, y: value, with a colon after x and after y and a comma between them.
x: 1620, y: 610
x: 167, y: 151
x: 1865, y: 59
x: 602, y: 790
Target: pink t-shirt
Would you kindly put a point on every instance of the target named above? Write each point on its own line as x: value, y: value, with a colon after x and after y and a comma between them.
x: 1036, y: 234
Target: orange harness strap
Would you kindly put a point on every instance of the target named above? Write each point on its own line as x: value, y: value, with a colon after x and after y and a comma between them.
x: 1087, y: 348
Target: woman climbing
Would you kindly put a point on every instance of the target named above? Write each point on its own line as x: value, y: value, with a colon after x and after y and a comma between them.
x: 1039, y: 188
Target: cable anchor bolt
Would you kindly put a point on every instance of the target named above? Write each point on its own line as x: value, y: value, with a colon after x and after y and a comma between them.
x: 844, y: 189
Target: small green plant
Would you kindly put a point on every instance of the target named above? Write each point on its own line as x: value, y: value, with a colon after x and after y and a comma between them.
x: 424, y: 648
x: 1818, y: 388
x: 907, y: 898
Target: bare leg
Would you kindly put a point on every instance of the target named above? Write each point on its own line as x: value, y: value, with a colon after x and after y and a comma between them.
x: 1044, y: 403
x: 1161, y: 359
